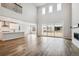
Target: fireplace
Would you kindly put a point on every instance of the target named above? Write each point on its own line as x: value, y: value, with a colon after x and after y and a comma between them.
x: 76, y: 36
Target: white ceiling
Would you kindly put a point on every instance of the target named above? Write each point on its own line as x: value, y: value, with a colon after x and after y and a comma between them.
x: 35, y: 4
x: 39, y: 4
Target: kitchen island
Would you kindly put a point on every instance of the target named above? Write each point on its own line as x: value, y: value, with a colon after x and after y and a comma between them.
x: 11, y: 35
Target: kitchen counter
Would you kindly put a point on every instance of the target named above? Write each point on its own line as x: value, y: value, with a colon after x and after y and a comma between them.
x: 11, y: 35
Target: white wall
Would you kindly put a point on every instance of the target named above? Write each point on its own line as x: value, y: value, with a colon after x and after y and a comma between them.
x: 50, y: 18
x: 75, y: 21
x: 75, y: 13
x: 67, y: 20
x: 57, y: 17
x: 28, y: 13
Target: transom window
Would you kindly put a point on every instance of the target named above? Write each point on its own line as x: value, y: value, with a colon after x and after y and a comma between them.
x: 50, y: 9
x: 43, y: 11
x: 59, y: 7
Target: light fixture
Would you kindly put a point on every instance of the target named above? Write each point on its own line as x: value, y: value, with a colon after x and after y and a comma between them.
x: 4, y: 24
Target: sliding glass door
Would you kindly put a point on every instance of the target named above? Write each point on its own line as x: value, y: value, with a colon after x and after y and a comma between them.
x: 58, y: 30
x: 44, y: 30
x: 50, y: 30
x: 53, y: 30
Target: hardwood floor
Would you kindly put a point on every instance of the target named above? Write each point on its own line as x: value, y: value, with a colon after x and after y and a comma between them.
x: 42, y: 46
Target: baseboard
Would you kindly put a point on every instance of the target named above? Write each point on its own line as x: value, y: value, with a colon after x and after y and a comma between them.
x: 68, y: 38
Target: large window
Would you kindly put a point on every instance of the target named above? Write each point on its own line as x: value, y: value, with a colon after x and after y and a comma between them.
x: 43, y: 11
x: 50, y: 9
x: 59, y: 7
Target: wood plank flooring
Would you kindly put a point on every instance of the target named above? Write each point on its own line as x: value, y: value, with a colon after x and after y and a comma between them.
x: 42, y: 46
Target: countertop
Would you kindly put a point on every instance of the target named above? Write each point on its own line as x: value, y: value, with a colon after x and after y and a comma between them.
x: 10, y: 35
